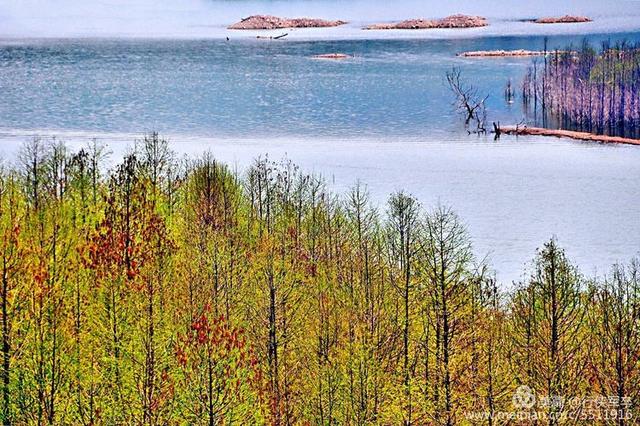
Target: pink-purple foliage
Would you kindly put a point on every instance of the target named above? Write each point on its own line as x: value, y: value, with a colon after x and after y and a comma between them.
x: 587, y: 90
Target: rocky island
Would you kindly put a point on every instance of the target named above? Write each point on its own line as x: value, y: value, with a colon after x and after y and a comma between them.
x: 268, y: 22
x: 566, y: 19
x: 453, y: 21
x: 331, y: 56
x: 501, y: 53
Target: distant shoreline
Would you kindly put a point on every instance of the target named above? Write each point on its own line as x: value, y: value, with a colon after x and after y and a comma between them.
x: 619, y: 27
x: 501, y: 53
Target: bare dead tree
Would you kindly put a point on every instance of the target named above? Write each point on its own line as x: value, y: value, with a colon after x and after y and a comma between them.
x: 468, y: 102
x: 509, y: 93
x: 402, y: 238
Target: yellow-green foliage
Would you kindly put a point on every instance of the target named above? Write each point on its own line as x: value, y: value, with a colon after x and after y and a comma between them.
x: 178, y: 292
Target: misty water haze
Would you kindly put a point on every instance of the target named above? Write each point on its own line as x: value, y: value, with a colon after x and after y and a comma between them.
x: 203, y: 18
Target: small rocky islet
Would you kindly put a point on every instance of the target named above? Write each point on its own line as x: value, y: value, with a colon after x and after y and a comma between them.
x: 331, y: 56
x: 453, y: 21
x: 501, y: 53
x: 268, y: 22
x: 566, y: 19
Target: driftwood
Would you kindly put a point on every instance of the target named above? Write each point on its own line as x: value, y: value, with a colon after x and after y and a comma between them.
x: 278, y: 37
x: 582, y: 136
x: 497, y: 130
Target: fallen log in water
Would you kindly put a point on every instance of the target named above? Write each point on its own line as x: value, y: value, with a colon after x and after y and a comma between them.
x: 278, y: 37
x: 559, y: 133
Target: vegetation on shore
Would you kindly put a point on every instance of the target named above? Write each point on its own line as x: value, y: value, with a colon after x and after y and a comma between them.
x: 178, y: 292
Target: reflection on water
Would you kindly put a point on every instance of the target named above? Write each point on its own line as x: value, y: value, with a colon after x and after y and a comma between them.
x: 383, y: 117
x: 248, y: 88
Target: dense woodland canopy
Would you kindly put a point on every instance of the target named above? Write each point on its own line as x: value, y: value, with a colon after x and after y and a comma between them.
x: 171, y: 291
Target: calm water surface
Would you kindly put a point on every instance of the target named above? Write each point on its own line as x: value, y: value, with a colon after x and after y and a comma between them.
x: 383, y: 117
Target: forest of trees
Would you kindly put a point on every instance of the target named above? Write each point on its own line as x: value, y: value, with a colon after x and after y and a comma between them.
x: 174, y: 291
x: 596, y: 91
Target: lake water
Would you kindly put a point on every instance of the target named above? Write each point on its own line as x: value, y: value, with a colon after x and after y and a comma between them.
x: 383, y: 117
